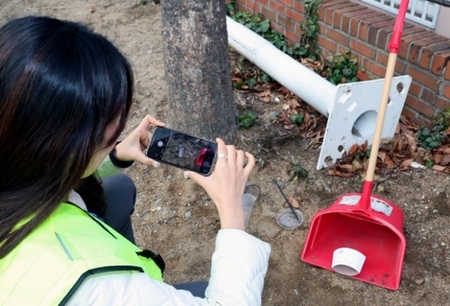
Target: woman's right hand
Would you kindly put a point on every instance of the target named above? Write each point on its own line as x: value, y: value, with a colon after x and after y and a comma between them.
x: 226, y: 184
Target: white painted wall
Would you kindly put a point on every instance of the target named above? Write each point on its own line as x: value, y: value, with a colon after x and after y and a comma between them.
x: 443, y: 22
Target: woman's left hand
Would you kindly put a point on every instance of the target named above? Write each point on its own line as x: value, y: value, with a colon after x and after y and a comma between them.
x: 132, y: 147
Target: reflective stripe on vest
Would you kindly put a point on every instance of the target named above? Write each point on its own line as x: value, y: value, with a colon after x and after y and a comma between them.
x: 52, y: 262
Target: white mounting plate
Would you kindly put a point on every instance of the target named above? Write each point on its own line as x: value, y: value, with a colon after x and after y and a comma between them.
x: 354, y: 112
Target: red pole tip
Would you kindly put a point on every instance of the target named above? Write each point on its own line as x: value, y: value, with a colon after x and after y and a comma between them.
x: 394, y: 45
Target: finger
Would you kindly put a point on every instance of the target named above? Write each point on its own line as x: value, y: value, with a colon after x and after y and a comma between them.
x: 195, y: 177
x: 231, y: 153
x: 145, y: 140
x: 150, y: 120
x: 240, y: 158
x: 250, y: 163
x: 146, y: 161
x: 221, y: 148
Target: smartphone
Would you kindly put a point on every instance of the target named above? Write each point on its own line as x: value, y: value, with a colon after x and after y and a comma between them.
x: 182, y: 150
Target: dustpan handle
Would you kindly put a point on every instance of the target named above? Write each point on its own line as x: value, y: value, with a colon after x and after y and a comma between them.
x: 393, y: 50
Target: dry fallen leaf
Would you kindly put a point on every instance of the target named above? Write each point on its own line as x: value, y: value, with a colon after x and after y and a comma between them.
x: 293, y: 202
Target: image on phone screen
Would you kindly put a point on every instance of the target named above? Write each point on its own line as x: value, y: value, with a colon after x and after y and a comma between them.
x: 181, y: 150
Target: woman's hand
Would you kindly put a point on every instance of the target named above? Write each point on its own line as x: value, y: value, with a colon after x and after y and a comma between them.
x: 132, y: 147
x: 226, y: 184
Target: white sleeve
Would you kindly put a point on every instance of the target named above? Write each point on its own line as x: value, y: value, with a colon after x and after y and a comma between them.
x: 239, y: 265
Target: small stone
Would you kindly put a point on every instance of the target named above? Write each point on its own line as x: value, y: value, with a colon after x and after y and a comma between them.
x: 419, y: 281
x: 158, y: 208
x: 434, y: 245
x: 188, y: 214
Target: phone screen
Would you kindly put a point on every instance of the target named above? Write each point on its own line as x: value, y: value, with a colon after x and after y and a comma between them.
x: 182, y: 150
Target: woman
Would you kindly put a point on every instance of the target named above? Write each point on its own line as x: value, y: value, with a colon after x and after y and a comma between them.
x: 65, y: 94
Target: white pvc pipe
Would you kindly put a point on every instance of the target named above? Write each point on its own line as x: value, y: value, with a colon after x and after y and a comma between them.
x: 305, y: 83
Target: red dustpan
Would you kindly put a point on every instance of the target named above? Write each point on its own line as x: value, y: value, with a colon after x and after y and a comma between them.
x: 361, y: 221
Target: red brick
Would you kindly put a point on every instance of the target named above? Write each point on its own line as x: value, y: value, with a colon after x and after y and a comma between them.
x: 419, y: 106
x: 415, y: 89
x: 439, y: 62
x: 374, y: 68
x: 277, y: 6
x: 294, y: 15
x: 326, y: 43
x: 269, y: 13
x: 446, y: 91
x: 407, y: 39
x: 288, y: 3
x: 330, y: 10
x: 422, y: 121
x: 427, y: 53
x: 400, y: 66
x: 276, y: 27
x: 338, y: 37
x: 423, y: 78
x: 383, y: 36
x: 410, y: 28
x: 375, y: 29
x: 447, y: 72
x: 252, y: 6
x: 355, y: 21
x: 292, y: 36
x: 429, y: 96
x: 442, y: 103
x: 338, y: 14
x: 287, y: 23
x: 347, y: 17
x: 362, y: 48
x: 326, y: 4
x: 365, y: 24
x: 417, y: 46
x: 299, y: 7
x: 322, y: 28
x: 358, y: 57
x: 327, y: 53
x: 341, y: 49
x: 382, y: 57
x: 409, y: 114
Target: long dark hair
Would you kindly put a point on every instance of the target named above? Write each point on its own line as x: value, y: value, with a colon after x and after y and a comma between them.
x: 61, y: 86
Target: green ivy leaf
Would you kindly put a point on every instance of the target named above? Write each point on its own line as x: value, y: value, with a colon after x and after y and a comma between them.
x: 297, y: 118
x: 251, y: 82
x: 264, y: 77
x: 247, y: 120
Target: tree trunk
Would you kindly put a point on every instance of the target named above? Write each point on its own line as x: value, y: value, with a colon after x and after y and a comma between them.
x: 195, y: 44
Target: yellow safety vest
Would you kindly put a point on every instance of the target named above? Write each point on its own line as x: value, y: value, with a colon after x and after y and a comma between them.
x: 49, y: 265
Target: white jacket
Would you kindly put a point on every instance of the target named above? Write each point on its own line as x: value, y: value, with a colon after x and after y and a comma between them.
x: 239, y: 265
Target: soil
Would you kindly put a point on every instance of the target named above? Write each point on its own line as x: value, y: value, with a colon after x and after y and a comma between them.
x: 176, y: 218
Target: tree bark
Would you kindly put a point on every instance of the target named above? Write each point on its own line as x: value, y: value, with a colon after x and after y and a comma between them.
x: 195, y: 44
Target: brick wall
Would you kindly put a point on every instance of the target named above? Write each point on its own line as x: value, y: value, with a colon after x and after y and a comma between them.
x: 344, y: 24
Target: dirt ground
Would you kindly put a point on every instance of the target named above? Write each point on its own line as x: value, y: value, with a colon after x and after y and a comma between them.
x: 176, y: 218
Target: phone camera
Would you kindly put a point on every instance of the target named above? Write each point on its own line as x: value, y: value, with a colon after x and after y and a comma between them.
x: 160, y: 143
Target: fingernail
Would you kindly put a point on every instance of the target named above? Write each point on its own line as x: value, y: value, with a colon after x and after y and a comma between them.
x: 156, y: 164
x: 186, y: 174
